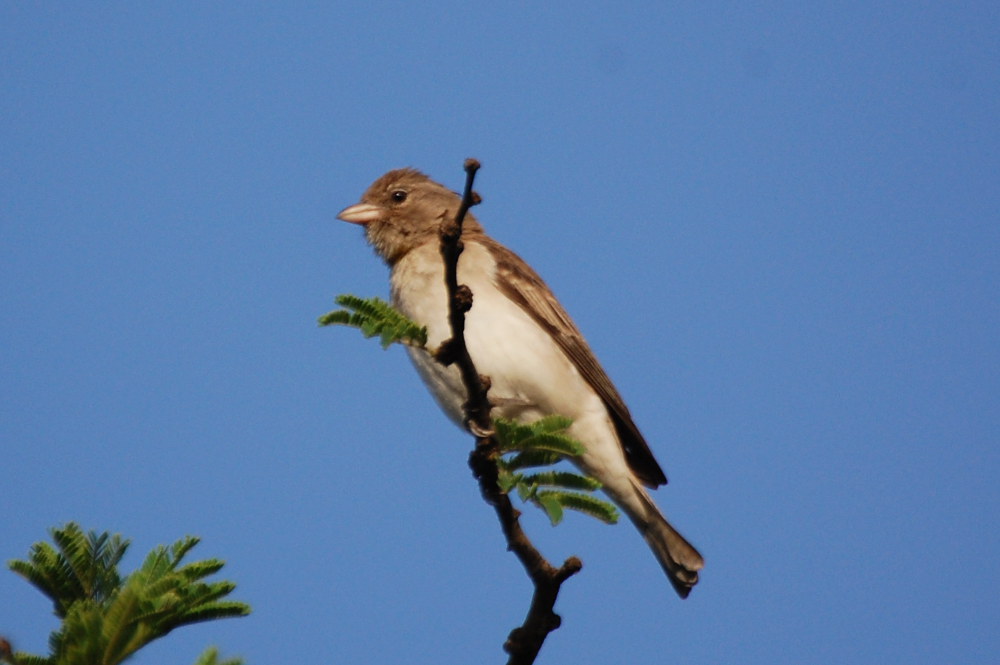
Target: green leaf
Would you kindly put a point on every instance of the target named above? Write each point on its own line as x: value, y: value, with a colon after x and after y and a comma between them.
x: 340, y: 316
x: 545, y: 434
x: 374, y: 316
x: 211, y: 657
x: 551, y: 505
x: 556, y: 443
x: 554, y: 423
x: 530, y: 458
x: 507, y: 480
x: 106, y: 618
x: 545, y: 443
x: 584, y: 503
x: 22, y: 658
x: 84, y: 566
x: 565, y: 479
x: 509, y: 434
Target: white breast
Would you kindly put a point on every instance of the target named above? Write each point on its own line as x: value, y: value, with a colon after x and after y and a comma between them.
x: 531, y: 376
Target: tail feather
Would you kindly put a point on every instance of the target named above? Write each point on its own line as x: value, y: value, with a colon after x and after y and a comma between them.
x: 679, y: 559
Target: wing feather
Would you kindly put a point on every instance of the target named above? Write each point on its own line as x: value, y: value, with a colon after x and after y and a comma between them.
x: 521, y: 284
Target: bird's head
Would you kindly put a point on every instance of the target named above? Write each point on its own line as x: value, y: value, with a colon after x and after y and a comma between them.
x: 402, y: 210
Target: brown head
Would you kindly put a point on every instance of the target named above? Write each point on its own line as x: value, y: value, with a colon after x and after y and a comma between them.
x: 403, y: 210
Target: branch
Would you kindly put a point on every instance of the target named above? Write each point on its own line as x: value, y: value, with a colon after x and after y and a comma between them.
x: 524, y: 642
x: 477, y: 408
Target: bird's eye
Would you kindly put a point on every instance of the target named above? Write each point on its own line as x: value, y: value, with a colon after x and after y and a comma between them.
x: 399, y: 195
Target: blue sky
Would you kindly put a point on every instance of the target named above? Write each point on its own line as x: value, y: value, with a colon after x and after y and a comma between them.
x: 778, y: 226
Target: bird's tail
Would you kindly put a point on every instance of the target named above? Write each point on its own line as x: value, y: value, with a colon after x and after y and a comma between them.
x: 679, y: 559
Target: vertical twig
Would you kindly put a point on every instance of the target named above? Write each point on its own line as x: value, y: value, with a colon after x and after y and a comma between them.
x: 477, y: 408
x: 525, y: 641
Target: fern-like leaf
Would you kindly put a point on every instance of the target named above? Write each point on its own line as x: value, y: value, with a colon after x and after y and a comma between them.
x: 551, y: 505
x: 563, y: 479
x: 212, y: 611
x: 211, y: 657
x: 374, y: 316
x: 547, y: 434
x: 106, y: 619
x: 556, y: 443
x: 553, y: 423
x: 82, y: 566
x: 583, y: 503
x: 545, y: 443
x: 507, y: 480
x: 530, y: 458
x: 22, y: 658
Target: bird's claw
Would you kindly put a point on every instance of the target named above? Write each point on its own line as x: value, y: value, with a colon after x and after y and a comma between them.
x: 478, y: 431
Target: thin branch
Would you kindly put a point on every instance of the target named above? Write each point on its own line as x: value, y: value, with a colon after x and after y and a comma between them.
x: 524, y: 642
x: 477, y: 408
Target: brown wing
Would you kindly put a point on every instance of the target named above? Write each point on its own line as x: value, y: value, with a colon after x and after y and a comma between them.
x: 522, y: 285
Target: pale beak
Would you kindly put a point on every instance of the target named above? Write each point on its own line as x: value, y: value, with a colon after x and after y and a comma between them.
x: 361, y: 213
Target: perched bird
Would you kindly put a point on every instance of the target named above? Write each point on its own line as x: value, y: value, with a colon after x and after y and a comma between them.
x: 520, y: 336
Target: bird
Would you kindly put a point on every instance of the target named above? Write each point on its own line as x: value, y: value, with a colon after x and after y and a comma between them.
x: 521, y: 337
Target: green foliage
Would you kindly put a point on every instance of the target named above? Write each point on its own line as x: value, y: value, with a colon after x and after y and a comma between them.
x: 211, y: 657
x: 547, y: 434
x: 85, y: 567
x: 374, y: 316
x: 545, y: 443
x: 107, y: 618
